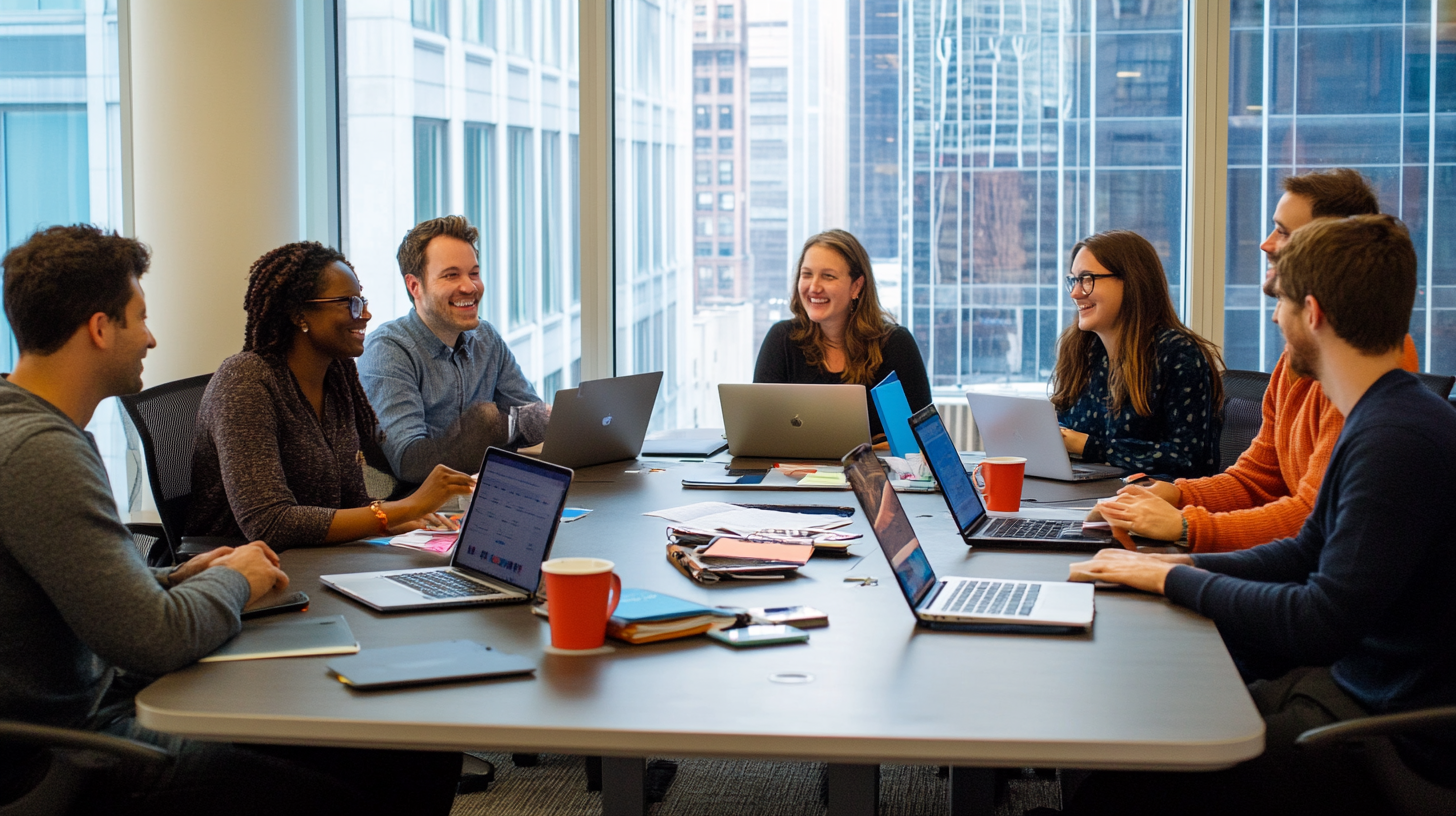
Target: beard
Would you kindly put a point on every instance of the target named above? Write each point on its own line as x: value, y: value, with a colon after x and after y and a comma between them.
x: 1303, y: 356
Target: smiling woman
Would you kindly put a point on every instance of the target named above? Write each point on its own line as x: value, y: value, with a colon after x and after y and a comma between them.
x: 294, y: 388
x: 839, y: 333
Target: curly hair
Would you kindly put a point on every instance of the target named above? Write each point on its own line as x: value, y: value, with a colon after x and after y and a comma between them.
x: 61, y: 276
x: 278, y: 285
x: 868, y: 323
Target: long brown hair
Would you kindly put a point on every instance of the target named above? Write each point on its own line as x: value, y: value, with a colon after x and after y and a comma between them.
x: 279, y: 283
x: 1146, y: 312
x: 868, y: 323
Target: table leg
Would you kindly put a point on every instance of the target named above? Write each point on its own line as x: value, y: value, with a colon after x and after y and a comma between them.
x: 854, y: 790
x: 624, y: 791
x: 972, y: 791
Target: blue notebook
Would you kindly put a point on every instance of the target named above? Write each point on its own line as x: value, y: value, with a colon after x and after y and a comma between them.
x: 640, y: 605
x: 894, y: 411
x: 442, y: 662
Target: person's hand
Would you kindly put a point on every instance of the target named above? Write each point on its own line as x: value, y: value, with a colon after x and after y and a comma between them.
x: 1140, y: 511
x: 433, y: 521
x: 258, y: 563
x: 1074, y: 441
x: 493, y: 419
x: 1145, y: 571
x: 197, y: 564
x: 438, y: 488
x: 1167, y: 491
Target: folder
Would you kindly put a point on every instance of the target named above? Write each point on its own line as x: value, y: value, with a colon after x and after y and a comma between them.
x: 894, y: 411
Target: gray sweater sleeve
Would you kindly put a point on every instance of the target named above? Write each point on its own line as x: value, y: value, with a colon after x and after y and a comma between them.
x: 62, y: 529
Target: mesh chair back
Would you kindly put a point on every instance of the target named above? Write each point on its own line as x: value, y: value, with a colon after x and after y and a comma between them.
x: 1439, y: 383
x: 165, y: 419
x: 1243, y: 413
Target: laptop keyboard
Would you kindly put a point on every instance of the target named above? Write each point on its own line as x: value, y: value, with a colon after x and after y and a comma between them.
x: 993, y: 598
x: 1025, y: 528
x: 441, y: 584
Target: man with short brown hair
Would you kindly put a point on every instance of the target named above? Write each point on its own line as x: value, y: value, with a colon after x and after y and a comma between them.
x: 443, y: 381
x: 1269, y: 491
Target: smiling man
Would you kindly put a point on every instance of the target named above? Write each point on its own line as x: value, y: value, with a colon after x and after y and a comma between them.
x: 1353, y: 615
x: 443, y: 381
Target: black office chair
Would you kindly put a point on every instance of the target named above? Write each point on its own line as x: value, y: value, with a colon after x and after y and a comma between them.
x: 1405, y: 790
x: 71, y: 756
x: 1243, y: 413
x: 164, y: 419
x: 1439, y: 383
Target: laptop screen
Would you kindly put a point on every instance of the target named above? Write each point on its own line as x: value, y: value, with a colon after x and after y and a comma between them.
x: 890, y: 523
x: 945, y: 462
x: 513, y: 515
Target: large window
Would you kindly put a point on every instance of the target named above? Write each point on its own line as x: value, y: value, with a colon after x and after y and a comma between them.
x: 1316, y: 85
x: 501, y: 149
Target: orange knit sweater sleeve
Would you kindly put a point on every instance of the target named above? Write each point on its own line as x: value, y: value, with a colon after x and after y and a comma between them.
x: 1250, y: 503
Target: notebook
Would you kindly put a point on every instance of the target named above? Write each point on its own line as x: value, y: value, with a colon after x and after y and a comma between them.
x: 957, y: 603
x: 508, y: 530
x: 600, y: 420
x: 894, y: 411
x: 964, y: 501
x: 1027, y: 426
x: 288, y: 638
x: 420, y: 663
x: 794, y: 420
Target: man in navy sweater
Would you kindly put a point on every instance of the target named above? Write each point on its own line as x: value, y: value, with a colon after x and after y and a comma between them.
x: 1355, y: 615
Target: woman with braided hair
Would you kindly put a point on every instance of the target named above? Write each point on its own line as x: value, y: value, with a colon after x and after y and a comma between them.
x: 284, y: 425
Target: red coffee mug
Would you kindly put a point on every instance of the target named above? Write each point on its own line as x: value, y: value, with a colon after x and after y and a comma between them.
x: 581, y: 594
x: 1000, y: 482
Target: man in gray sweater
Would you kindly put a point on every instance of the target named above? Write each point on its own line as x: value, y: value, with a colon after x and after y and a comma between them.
x: 79, y: 608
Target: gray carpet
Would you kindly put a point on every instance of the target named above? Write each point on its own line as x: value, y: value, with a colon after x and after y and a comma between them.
x: 708, y: 787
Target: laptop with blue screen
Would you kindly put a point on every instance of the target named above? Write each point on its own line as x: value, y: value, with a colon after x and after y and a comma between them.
x: 979, y: 529
x: 966, y: 604
x: 507, y: 534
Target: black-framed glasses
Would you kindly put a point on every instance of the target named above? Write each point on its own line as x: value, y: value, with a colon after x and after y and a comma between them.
x: 356, y: 303
x: 1087, y: 281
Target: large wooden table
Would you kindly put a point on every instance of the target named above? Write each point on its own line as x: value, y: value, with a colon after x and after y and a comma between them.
x: 1150, y: 687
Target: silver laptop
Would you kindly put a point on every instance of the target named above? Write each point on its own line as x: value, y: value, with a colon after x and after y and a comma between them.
x: 967, y: 604
x: 794, y: 421
x: 600, y: 420
x: 1027, y: 426
x: 508, y: 530
x: 964, y: 501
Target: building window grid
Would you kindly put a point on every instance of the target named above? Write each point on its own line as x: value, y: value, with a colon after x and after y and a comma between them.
x: 431, y: 191
x: 480, y: 197
x: 520, y: 247
x: 550, y: 222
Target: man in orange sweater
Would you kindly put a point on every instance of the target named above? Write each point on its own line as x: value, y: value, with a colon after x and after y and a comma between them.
x: 1270, y: 490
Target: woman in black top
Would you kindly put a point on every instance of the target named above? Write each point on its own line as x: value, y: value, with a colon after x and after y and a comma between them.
x: 839, y: 333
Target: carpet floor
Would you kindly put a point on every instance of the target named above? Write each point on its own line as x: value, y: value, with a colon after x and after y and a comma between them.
x: 709, y: 787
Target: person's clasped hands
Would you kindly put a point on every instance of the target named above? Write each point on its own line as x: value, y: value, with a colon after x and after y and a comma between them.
x: 1148, y: 511
x: 255, y: 561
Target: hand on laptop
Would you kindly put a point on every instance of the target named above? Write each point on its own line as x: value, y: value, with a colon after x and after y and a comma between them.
x: 1145, y: 571
x: 1075, y: 441
x: 1143, y: 512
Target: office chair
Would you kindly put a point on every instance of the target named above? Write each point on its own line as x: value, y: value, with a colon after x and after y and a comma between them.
x: 164, y: 418
x: 1439, y: 383
x: 1405, y: 790
x: 72, y: 756
x: 1243, y: 413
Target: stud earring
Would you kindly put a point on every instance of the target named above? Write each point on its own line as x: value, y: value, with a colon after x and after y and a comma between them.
x: 305, y: 328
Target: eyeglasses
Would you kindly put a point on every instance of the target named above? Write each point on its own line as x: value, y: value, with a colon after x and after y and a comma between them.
x: 356, y: 303
x: 1087, y: 281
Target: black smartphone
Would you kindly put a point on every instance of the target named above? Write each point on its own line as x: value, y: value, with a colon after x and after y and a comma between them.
x: 270, y: 605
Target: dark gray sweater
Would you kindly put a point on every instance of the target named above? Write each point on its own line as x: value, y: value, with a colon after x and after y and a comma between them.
x: 75, y: 597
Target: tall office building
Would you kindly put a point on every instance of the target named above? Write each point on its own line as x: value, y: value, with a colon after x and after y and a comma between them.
x: 720, y: 178
x: 872, y: 119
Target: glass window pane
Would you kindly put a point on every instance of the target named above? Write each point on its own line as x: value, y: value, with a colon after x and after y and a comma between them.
x: 1348, y: 84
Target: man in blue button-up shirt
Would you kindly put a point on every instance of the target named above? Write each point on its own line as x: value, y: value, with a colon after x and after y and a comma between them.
x: 441, y: 379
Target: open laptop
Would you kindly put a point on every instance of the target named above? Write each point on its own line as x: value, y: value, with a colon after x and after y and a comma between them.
x: 978, y: 529
x: 1027, y: 426
x: 600, y: 420
x: 794, y: 420
x: 967, y: 604
x: 507, y: 533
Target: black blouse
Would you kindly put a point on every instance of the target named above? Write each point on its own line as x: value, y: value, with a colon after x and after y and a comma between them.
x: 780, y: 360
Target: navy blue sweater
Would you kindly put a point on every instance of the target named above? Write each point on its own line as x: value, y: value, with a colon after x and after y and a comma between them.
x: 1366, y: 587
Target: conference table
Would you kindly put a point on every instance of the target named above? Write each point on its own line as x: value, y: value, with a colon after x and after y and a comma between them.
x: 1151, y: 686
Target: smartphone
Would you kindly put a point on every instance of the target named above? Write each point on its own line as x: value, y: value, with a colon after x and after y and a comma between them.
x: 804, y: 617
x: 759, y: 635
x: 293, y: 602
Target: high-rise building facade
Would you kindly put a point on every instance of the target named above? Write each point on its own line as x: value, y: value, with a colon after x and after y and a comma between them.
x: 720, y: 177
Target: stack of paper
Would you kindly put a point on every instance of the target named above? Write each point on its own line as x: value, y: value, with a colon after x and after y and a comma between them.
x: 435, y: 541
x: 745, y: 520
x: 644, y: 617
